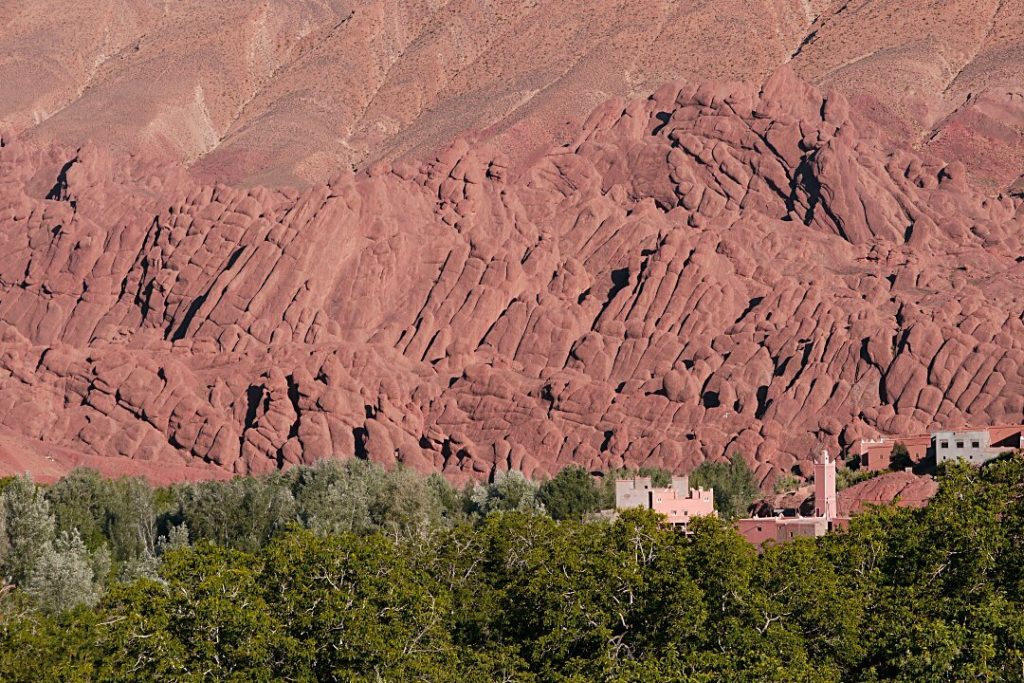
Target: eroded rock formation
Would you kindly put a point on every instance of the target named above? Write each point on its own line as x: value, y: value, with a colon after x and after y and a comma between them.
x: 716, y: 268
x: 283, y: 91
x: 906, y: 488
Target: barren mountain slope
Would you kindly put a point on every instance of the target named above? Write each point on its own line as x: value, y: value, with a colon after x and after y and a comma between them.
x: 283, y: 92
x: 713, y: 269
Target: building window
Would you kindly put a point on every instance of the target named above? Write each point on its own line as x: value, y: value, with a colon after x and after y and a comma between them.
x: 943, y: 444
x: 975, y: 444
x: 959, y: 444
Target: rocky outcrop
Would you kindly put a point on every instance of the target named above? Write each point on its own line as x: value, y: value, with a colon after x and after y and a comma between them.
x: 715, y: 269
x: 904, y: 488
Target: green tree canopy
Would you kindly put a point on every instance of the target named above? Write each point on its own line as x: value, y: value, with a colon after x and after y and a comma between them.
x: 932, y: 594
x: 570, y: 494
x: 733, y: 482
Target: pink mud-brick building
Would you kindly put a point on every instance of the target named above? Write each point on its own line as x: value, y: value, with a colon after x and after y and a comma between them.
x: 679, y: 502
x: 760, y: 530
x: 876, y: 454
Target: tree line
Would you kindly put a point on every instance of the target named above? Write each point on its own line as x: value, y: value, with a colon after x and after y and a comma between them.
x: 345, y: 572
x: 64, y: 543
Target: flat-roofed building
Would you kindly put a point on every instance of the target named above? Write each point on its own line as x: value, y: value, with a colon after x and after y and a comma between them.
x: 976, y: 446
x: 876, y: 454
x: 678, y: 502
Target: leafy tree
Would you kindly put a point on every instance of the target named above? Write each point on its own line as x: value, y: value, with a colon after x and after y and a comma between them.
x: 117, y: 513
x: 571, y: 494
x: 390, y: 613
x: 448, y: 499
x: 27, y: 527
x: 733, y: 482
x: 79, y: 502
x: 207, y: 620
x: 37, y: 647
x: 334, y: 497
x: 931, y: 594
x: 244, y: 513
x: 785, y: 483
x: 408, y: 506
x: 900, y: 457
x: 63, y: 575
x: 360, y: 496
x: 509, y: 491
x: 797, y: 592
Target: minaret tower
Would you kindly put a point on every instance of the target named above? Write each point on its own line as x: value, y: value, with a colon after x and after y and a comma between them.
x: 825, y: 487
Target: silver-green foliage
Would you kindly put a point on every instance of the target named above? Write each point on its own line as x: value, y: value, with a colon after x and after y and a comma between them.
x: 63, y: 576
x: 509, y: 491
x: 361, y: 497
x: 118, y: 513
x: 26, y: 529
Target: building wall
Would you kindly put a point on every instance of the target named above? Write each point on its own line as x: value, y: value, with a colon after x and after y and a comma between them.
x: 679, y: 502
x: 811, y: 527
x: 972, y: 446
x: 681, y: 509
x: 633, y: 493
x: 876, y: 454
x: 759, y: 530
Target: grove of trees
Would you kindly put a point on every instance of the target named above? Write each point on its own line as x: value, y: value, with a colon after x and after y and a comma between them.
x: 345, y: 572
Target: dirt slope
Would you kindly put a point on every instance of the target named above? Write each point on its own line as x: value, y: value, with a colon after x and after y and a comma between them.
x: 287, y: 92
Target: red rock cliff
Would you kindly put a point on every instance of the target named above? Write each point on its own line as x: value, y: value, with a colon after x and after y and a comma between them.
x: 717, y: 268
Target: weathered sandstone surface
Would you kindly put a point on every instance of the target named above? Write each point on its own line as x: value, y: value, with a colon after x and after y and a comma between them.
x: 716, y: 268
x: 287, y: 91
x: 906, y: 488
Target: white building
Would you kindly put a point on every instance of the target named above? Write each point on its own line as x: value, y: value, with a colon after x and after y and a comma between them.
x: 974, y: 445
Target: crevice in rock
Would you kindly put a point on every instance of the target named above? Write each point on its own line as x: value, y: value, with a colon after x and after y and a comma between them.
x: 59, y: 191
x: 663, y: 117
x: 805, y: 356
x: 754, y: 303
x: 186, y: 320
x: 808, y: 39
x: 359, y: 437
x: 710, y: 399
x: 253, y: 396
x: 620, y: 280
x: 293, y: 397
x: 762, y: 402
